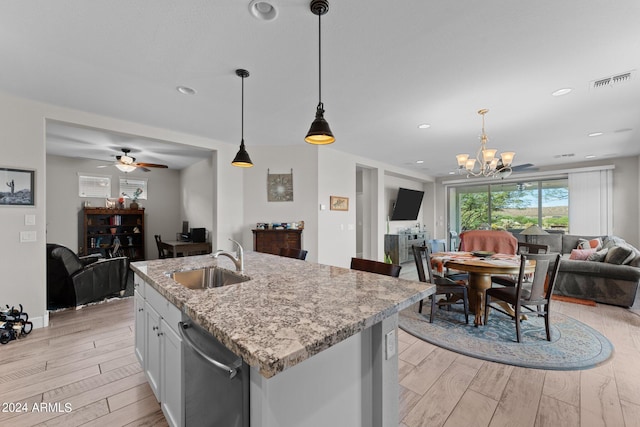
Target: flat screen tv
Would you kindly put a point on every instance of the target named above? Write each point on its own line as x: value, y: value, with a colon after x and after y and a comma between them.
x: 407, y: 205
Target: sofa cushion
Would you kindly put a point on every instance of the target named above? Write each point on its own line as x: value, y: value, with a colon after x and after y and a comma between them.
x: 581, y: 254
x: 619, y: 254
x: 598, y: 256
x: 590, y: 244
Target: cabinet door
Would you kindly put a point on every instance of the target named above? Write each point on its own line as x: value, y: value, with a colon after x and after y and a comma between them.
x: 153, y: 347
x: 171, y: 375
x: 139, y: 327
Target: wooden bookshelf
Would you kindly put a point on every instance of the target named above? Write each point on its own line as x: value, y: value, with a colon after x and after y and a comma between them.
x: 103, y: 228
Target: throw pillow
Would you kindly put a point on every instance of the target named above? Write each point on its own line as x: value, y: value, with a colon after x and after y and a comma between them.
x: 590, y: 244
x: 618, y: 254
x: 581, y: 254
x: 598, y: 255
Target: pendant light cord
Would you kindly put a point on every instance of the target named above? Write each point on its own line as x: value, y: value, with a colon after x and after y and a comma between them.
x: 319, y: 59
x: 242, y: 113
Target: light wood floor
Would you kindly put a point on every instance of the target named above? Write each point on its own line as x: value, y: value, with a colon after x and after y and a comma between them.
x: 85, y: 359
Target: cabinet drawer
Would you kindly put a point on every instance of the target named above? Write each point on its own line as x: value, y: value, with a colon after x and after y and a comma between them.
x: 139, y: 285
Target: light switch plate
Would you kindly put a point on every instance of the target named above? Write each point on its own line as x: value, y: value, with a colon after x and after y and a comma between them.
x: 29, y: 219
x: 27, y: 236
x: 390, y: 344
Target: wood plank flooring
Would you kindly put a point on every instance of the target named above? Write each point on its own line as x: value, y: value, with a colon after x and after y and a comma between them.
x: 85, y: 360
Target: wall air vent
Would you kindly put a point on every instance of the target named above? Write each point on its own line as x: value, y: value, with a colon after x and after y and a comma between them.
x: 611, y: 80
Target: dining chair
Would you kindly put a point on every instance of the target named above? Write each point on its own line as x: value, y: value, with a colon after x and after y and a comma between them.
x: 293, y: 253
x: 378, y: 267
x: 531, y: 297
x: 161, y: 253
x: 438, y: 245
x: 444, y: 285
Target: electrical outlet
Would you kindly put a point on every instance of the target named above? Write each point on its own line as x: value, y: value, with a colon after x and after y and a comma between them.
x: 390, y: 344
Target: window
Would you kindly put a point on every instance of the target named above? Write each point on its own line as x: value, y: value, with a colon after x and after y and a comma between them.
x: 513, y: 205
x: 129, y: 186
x: 94, y: 186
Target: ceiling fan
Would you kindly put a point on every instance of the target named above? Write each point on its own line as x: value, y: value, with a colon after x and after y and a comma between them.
x: 126, y: 163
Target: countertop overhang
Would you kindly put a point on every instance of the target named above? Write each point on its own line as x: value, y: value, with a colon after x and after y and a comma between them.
x: 289, y: 310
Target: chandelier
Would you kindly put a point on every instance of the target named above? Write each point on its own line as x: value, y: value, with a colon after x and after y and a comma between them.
x: 485, y: 164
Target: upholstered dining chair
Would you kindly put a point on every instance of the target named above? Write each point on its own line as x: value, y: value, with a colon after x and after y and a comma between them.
x: 378, y: 267
x: 444, y: 285
x: 531, y: 297
x: 293, y: 253
x: 161, y: 253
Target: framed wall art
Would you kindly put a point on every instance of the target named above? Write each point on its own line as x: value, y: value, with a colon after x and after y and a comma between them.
x: 18, y: 187
x: 280, y: 187
x: 338, y: 203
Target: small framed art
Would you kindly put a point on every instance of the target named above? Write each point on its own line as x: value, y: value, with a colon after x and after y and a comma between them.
x: 19, y: 187
x: 338, y: 203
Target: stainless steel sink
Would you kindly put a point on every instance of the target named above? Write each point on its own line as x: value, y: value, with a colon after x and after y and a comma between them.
x: 208, y: 277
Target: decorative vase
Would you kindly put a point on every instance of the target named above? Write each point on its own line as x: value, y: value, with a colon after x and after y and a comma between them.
x: 133, y: 205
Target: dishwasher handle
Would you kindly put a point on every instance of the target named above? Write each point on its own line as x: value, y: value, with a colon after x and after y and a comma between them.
x: 229, y: 370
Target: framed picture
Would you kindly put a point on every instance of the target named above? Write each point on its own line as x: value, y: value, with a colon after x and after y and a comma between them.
x: 18, y: 189
x: 338, y: 203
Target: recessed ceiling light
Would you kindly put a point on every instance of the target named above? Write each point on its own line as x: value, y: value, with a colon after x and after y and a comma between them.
x: 595, y: 134
x: 424, y: 126
x: 263, y: 10
x: 185, y: 90
x: 419, y: 162
x: 590, y: 156
x: 562, y: 91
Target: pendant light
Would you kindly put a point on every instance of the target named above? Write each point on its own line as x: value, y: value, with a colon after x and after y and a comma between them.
x: 319, y: 133
x: 242, y: 159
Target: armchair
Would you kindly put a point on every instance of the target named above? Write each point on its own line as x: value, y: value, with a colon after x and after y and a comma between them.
x: 73, y: 280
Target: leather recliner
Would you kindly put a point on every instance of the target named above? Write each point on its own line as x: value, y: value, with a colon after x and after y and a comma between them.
x: 73, y: 280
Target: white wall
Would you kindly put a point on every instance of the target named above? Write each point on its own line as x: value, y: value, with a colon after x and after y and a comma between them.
x: 303, y: 159
x: 64, y: 206
x: 336, y: 177
x: 22, y: 136
x: 197, y: 194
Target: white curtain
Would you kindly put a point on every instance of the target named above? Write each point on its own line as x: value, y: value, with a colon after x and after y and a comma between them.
x: 590, y: 202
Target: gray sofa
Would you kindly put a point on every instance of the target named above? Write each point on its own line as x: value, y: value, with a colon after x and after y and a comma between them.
x: 600, y: 281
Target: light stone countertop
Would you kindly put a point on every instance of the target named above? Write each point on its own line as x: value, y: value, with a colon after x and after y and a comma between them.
x: 289, y: 310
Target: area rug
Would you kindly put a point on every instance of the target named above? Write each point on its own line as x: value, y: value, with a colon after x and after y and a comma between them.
x: 573, y: 344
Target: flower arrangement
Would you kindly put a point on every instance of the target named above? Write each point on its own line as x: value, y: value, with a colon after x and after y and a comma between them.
x: 134, y: 199
x: 136, y: 194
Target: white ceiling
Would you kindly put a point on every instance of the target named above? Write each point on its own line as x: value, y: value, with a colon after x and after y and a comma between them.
x: 387, y: 67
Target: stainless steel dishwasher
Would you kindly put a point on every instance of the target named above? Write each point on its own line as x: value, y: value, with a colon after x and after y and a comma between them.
x: 215, y: 380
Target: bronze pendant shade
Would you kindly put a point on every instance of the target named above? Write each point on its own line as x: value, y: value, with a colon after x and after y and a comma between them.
x: 319, y: 133
x: 242, y: 159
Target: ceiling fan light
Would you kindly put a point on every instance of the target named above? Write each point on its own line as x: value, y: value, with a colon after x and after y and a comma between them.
x: 127, y: 160
x: 242, y: 159
x: 319, y: 132
x: 125, y: 168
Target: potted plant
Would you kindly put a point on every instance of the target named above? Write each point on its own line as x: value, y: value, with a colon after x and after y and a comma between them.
x: 134, y: 199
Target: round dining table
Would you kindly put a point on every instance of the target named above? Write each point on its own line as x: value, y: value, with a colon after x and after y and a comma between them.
x: 480, y: 271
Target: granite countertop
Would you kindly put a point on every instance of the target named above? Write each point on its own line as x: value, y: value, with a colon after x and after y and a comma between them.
x: 289, y: 310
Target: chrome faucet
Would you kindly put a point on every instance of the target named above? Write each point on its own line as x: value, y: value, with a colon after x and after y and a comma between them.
x: 238, y: 258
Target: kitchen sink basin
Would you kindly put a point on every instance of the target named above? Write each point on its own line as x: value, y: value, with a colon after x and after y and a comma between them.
x: 208, y: 277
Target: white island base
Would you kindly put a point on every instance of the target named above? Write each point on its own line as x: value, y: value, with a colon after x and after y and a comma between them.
x: 353, y: 383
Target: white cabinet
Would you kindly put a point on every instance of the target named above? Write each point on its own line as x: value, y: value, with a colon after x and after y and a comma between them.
x: 158, y: 347
x: 139, y: 327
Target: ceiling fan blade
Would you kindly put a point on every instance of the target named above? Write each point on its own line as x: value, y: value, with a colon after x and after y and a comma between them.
x: 522, y: 167
x: 150, y: 165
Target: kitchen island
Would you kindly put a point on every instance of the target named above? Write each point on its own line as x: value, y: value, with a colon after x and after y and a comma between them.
x: 320, y: 340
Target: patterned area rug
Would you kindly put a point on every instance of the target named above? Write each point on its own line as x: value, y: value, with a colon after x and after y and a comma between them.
x: 573, y: 344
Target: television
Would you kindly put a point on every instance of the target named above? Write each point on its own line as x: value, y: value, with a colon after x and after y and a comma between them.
x: 407, y: 205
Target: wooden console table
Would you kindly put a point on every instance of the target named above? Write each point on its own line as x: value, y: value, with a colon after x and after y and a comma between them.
x: 186, y: 248
x: 270, y: 241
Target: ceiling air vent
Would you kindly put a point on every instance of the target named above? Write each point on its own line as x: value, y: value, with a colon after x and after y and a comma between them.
x: 611, y: 80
